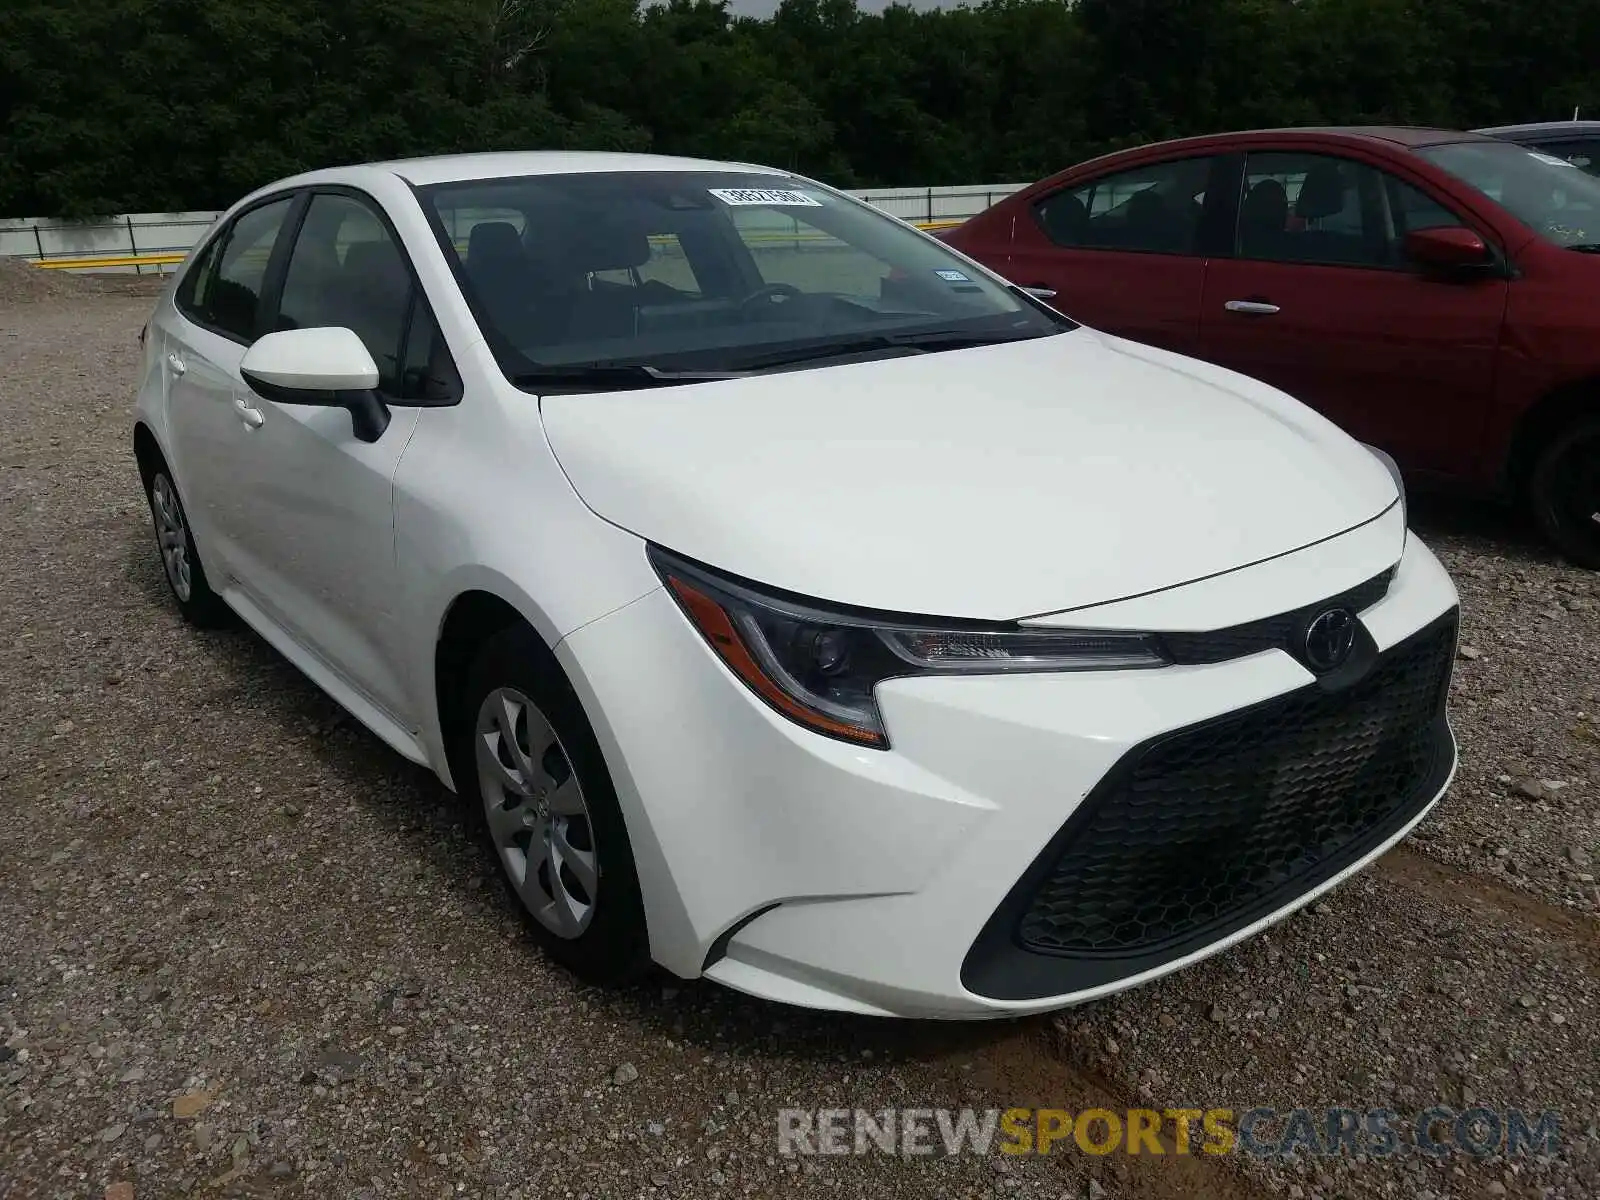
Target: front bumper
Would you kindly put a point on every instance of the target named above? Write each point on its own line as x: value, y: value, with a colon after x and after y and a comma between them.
x: 927, y: 880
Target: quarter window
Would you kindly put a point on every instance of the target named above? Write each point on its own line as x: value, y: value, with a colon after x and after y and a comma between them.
x: 226, y: 294
x: 1153, y: 209
x: 1411, y: 210
x: 429, y: 373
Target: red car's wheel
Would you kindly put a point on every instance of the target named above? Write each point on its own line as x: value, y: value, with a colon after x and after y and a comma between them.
x: 1565, y: 491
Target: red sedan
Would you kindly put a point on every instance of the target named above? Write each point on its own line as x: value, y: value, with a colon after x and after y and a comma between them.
x: 1433, y: 292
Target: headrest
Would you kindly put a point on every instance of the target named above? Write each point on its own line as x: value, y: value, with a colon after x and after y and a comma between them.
x: 1322, y: 193
x: 1266, y: 205
x: 375, y: 263
x: 1145, y: 206
x: 1065, y: 216
x: 605, y: 245
x: 492, y: 240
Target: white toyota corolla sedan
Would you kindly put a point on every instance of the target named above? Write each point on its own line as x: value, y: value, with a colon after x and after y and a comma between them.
x: 800, y: 604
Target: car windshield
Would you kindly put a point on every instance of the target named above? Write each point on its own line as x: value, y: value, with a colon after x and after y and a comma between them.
x: 1550, y: 195
x: 658, y: 275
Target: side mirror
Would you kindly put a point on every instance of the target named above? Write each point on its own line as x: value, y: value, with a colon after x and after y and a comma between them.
x: 326, y: 367
x: 1451, y: 250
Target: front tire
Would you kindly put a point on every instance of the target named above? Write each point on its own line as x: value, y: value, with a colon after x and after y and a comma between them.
x: 1565, y: 491
x: 529, y: 763
x: 180, y: 561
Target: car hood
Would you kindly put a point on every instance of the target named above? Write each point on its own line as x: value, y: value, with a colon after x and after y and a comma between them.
x: 996, y: 482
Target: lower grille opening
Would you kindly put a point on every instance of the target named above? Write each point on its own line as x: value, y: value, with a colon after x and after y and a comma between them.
x: 1197, y: 833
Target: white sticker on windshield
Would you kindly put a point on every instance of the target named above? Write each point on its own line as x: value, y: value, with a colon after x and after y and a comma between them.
x: 1551, y: 159
x: 952, y: 276
x: 772, y: 196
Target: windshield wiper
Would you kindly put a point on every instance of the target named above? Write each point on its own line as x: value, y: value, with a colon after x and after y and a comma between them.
x: 612, y: 376
x: 917, y: 343
x: 1585, y: 247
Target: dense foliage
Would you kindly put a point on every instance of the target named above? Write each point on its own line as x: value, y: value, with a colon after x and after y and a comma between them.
x: 138, y: 105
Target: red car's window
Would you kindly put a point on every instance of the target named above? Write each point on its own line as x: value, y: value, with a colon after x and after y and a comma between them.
x: 1320, y: 208
x: 1154, y: 209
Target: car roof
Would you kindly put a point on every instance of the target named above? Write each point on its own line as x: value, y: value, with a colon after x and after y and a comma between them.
x: 1400, y: 135
x: 515, y: 164
x: 1542, y: 127
x: 450, y: 168
x: 1406, y: 137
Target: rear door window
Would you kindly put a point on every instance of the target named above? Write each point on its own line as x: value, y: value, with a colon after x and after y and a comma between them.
x: 226, y: 295
x: 1151, y: 209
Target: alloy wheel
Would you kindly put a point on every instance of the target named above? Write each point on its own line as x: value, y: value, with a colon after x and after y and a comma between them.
x: 172, y: 531
x: 536, y: 813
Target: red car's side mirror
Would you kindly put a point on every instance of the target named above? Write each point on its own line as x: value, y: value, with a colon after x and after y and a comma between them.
x: 1451, y: 249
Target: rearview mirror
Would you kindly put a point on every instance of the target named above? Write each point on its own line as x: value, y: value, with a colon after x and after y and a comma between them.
x: 1451, y: 250
x: 327, y: 367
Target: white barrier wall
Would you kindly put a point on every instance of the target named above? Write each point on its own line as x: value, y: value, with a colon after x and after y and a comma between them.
x: 173, y: 234
x: 105, y: 237
x: 937, y: 203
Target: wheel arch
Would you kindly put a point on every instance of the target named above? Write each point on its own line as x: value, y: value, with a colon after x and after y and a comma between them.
x: 474, y: 614
x: 146, y: 452
x: 1543, y: 421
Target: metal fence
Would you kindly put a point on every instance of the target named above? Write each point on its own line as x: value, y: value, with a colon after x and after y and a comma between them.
x: 135, y: 243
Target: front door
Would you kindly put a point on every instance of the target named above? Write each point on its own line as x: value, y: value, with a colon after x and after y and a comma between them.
x: 320, y: 519
x: 1123, y: 253
x: 1319, y: 301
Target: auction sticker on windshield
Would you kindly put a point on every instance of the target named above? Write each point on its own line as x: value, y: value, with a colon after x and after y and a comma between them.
x: 738, y: 196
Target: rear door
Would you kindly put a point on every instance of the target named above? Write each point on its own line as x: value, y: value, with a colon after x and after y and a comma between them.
x: 1125, y: 252
x: 217, y: 315
x: 1317, y: 299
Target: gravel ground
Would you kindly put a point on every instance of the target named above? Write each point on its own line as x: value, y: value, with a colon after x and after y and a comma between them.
x: 246, y: 950
x: 1525, y: 808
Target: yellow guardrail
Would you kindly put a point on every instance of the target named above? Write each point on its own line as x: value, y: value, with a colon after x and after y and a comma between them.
x: 172, y: 258
x: 112, y: 260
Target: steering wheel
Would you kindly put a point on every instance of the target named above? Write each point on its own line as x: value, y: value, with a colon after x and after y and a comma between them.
x: 772, y: 293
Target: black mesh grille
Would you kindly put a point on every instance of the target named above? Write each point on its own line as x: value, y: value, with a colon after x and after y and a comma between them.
x: 1229, y: 816
x: 1269, y: 633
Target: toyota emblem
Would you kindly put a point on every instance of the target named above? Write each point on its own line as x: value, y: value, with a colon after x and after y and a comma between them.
x: 1329, y: 638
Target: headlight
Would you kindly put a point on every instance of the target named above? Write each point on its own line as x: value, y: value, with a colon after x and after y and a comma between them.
x: 1394, y: 473
x: 819, y: 667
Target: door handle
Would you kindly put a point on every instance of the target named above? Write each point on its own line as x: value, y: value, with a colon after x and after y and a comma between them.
x: 175, y: 364
x: 1040, y: 293
x: 248, y: 413
x: 1256, y: 308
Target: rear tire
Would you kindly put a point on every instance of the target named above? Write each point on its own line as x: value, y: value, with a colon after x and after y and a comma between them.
x: 527, y: 760
x: 180, y: 561
x: 1564, y: 490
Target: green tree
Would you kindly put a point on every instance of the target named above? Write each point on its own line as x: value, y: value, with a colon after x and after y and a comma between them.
x: 118, y: 105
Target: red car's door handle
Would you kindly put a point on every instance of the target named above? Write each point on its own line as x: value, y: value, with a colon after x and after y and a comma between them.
x: 1257, y: 308
x: 1038, y: 291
